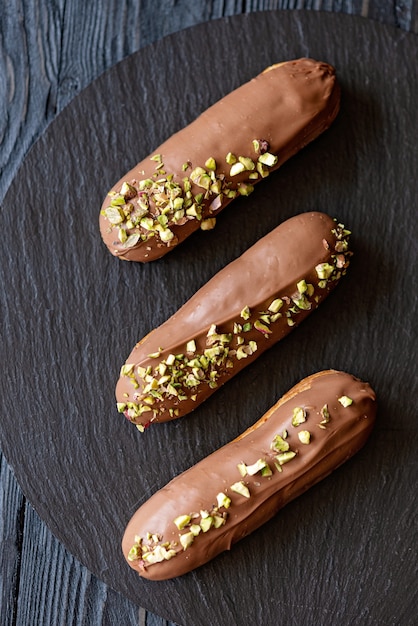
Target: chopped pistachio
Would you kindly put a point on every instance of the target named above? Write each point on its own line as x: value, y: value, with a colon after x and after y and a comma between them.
x: 262, y: 328
x: 304, y: 436
x: 256, y: 467
x: 240, y: 488
x: 236, y: 168
x: 268, y: 159
x: 245, y: 189
x: 187, y: 539
x: 218, y: 521
x: 206, y: 523
x: 127, y: 369
x: 285, y: 457
x: 134, y: 553
x: 345, y: 401
x: 279, y: 444
x: 195, y: 529
x: 242, y: 468
x: 245, y: 313
x: 191, y: 346
x: 128, y: 191
x: 223, y: 500
x: 325, y: 414
x: 247, y: 163
x: 208, y: 223
x: 115, y: 215
x: 181, y: 521
x: 230, y: 158
x: 276, y: 305
x: 324, y: 270
x: 299, y: 416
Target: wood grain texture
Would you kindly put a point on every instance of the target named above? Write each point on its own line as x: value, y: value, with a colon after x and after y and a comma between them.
x: 48, y: 53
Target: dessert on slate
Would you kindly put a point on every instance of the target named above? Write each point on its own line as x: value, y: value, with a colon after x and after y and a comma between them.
x: 220, y: 156
x: 242, y: 311
x: 312, y: 429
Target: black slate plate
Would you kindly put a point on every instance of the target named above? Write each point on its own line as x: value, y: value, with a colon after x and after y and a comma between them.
x: 343, y: 553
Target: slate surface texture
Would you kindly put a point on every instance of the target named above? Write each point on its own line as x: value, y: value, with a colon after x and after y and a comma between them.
x: 344, y: 553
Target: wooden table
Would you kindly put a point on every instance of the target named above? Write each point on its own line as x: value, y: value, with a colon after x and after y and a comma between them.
x: 49, y: 52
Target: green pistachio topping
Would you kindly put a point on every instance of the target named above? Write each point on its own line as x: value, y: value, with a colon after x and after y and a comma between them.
x: 182, y: 521
x: 345, y: 401
x: 279, y: 444
x: 304, y: 436
x: 299, y: 416
x: 285, y: 457
x: 325, y: 416
x: 211, y: 164
x: 187, y: 539
x: 206, y: 523
x: 223, y: 500
x: 241, y: 488
x: 268, y: 159
x: 256, y: 467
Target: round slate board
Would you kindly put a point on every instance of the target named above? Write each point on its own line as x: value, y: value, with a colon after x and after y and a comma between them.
x: 71, y: 313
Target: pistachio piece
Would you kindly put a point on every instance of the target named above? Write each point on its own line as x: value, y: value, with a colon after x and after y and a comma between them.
x: 247, y: 163
x: 304, y: 436
x: 230, y: 158
x: 206, y: 523
x: 256, y: 467
x: 260, y: 146
x: 218, y: 521
x: 223, y: 500
x: 285, y: 457
x: 279, y: 444
x: 236, y: 168
x: 276, y: 305
x: 245, y: 313
x: 299, y: 416
x: 324, y: 270
x: 134, y: 553
x: 115, y: 215
x: 262, y: 328
x: 245, y: 189
x: 186, y: 540
x: 191, y: 346
x: 211, y: 164
x: 345, y: 401
x: 208, y: 224
x: 181, y: 521
x: 195, y: 529
x: 128, y: 191
x: 241, y: 489
x: 325, y: 414
x: 242, y: 468
x: 267, y: 158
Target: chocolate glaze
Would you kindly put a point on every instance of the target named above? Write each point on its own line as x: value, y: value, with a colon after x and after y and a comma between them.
x: 333, y: 440
x: 270, y: 270
x: 286, y: 106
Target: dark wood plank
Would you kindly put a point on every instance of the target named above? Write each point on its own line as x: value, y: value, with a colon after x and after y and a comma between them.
x: 48, y: 53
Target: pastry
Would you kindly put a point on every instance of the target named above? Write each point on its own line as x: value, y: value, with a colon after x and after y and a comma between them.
x: 239, y: 313
x: 314, y: 428
x: 185, y: 183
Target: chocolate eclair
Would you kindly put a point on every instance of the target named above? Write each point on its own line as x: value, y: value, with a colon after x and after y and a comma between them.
x: 242, y: 311
x: 315, y: 427
x: 237, y: 142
